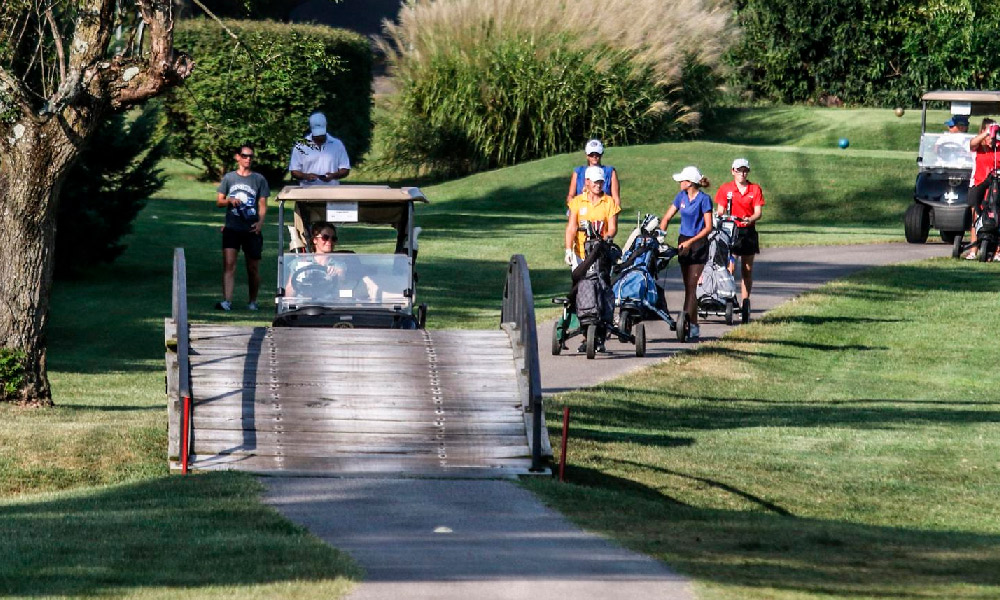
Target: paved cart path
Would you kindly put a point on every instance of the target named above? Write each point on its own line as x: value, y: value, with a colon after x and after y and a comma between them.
x: 487, y: 539
x: 780, y: 274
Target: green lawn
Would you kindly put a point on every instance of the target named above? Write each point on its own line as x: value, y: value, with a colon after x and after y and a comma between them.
x: 844, y: 446
x: 107, y: 435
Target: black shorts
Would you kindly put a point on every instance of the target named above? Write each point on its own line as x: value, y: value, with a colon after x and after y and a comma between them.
x: 977, y: 193
x: 697, y: 255
x: 745, y: 242
x: 252, y: 244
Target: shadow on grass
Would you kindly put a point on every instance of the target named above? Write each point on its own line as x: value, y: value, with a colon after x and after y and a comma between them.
x: 723, y: 412
x: 772, y: 552
x: 176, y: 532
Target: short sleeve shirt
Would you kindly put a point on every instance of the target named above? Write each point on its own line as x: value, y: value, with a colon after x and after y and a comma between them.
x: 692, y: 211
x: 983, y: 166
x: 581, y: 177
x: 743, y: 204
x: 585, y: 210
x: 308, y: 157
x: 248, y: 189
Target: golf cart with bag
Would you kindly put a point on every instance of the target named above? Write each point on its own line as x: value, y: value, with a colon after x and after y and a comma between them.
x: 944, y: 166
x: 373, y: 288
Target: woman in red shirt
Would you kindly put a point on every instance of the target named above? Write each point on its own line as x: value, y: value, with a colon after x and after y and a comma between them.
x: 982, y: 146
x: 744, y: 201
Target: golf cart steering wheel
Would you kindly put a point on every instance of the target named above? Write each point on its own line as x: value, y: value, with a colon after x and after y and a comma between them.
x: 950, y: 151
x: 310, y: 276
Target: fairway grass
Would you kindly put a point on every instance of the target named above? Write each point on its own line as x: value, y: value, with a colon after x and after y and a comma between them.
x: 844, y: 446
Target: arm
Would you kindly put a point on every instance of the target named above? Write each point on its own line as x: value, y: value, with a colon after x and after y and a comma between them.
x: 612, y: 226
x: 222, y: 201
x: 572, y: 224
x: 338, y: 174
x: 616, y: 188
x: 977, y: 142
x: 707, y: 217
x: 757, y: 212
x: 665, y: 221
x: 572, y: 188
x: 304, y: 176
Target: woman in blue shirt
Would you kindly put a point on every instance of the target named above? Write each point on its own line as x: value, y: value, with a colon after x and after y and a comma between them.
x: 695, y: 208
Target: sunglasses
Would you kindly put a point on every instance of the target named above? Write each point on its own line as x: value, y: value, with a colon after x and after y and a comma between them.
x: 246, y: 155
x: 594, y: 154
x: 326, y: 237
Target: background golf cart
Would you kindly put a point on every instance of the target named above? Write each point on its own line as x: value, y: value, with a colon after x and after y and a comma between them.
x: 945, y: 165
x: 377, y: 290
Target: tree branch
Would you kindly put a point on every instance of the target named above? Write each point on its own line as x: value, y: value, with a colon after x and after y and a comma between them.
x: 163, y: 66
x: 57, y: 38
x: 15, y: 92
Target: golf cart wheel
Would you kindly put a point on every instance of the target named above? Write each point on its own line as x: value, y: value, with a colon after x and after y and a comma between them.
x: 683, y: 326
x: 956, y: 247
x: 730, y: 308
x: 917, y: 223
x: 640, y: 339
x: 556, y: 339
x: 745, y: 311
x: 985, y: 250
x: 591, y: 341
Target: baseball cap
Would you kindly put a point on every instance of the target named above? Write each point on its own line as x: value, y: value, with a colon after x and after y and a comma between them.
x: 317, y: 123
x: 741, y: 163
x: 594, y: 146
x: 691, y: 174
x: 594, y: 173
x: 957, y: 120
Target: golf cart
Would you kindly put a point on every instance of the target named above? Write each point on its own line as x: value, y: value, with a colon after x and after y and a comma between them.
x: 945, y: 165
x: 347, y: 289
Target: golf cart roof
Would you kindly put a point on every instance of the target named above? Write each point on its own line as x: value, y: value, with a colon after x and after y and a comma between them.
x: 982, y: 102
x: 350, y: 193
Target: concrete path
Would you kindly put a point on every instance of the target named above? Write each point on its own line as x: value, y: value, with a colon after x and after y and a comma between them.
x: 463, y: 539
x: 780, y: 274
x: 460, y: 539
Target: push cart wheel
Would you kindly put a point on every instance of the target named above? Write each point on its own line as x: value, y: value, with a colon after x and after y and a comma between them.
x: 683, y: 326
x: 745, y: 311
x: 640, y: 339
x: 985, y: 249
x: 556, y: 339
x: 956, y: 247
x: 591, y: 341
x: 730, y: 307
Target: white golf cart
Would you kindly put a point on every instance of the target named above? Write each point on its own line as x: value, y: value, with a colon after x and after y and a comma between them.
x: 349, y: 289
x: 945, y: 165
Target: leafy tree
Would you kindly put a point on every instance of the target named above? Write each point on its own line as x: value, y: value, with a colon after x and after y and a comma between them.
x: 63, y: 70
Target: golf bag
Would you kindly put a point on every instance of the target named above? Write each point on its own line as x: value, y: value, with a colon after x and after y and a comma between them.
x: 592, y: 294
x: 717, y: 284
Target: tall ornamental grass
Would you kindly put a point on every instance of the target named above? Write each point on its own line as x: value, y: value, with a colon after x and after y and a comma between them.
x: 488, y: 83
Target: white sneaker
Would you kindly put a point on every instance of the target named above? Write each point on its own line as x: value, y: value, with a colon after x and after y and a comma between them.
x: 225, y: 305
x: 253, y: 306
x: 695, y: 332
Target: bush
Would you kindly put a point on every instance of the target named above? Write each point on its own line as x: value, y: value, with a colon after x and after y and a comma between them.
x: 484, y: 84
x: 106, y: 189
x: 12, y: 373
x: 262, y: 91
x: 864, y: 52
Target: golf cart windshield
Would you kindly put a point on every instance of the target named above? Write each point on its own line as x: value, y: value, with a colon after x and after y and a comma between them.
x: 346, y: 279
x: 946, y: 151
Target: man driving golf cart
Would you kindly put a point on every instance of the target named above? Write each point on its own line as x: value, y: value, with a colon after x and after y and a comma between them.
x: 373, y: 287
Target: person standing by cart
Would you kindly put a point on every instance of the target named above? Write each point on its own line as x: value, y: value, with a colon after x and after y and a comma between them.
x: 744, y: 200
x: 982, y: 145
x: 243, y: 193
x: 695, y: 208
x: 595, y: 152
x: 319, y: 159
x: 594, y: 207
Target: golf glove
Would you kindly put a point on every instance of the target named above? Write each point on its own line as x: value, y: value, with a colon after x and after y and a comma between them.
x: 569, y: 257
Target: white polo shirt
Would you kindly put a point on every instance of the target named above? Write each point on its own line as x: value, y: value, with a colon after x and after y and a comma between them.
x: 308, y: 157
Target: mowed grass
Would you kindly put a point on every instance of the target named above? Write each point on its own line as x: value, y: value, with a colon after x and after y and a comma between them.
x: 182, y: 537
x: 847, y: 445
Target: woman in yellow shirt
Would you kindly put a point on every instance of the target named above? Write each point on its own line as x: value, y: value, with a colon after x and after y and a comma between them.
x: 592, y: 206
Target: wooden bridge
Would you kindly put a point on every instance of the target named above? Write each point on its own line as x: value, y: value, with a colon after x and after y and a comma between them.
x: 324, y: 401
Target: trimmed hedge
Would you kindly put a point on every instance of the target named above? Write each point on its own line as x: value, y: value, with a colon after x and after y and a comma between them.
x: 262, y: 91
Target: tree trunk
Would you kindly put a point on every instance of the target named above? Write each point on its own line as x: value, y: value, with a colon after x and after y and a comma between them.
x: 30, y: 177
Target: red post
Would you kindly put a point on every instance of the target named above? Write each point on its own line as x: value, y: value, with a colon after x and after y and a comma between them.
x: 562, y: 450
x: 185, y: 428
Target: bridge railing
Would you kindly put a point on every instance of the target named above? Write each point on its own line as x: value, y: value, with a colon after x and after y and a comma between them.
x: 180, y: 396
x: 517, y: 316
